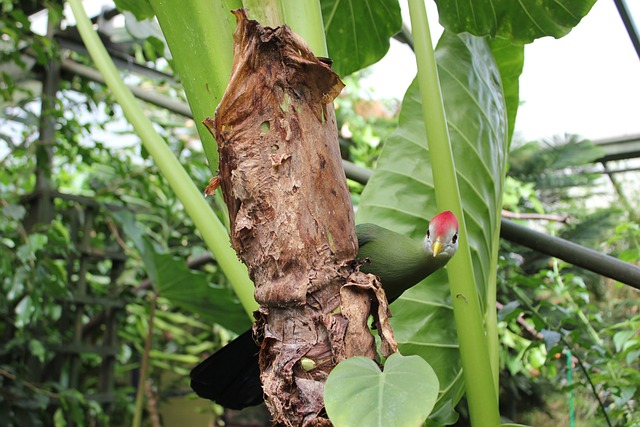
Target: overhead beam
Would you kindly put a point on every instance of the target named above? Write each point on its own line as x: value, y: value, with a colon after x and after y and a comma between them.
x: 629, y: 24
x: 619, y: 148
x: 75, y: 69
x: 121, y: 60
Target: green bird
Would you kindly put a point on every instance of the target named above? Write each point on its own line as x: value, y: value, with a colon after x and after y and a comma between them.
x: 231, y: 376
x: 401, y: 262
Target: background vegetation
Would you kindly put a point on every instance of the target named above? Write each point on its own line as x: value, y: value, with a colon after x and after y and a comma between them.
x: 569, y: 343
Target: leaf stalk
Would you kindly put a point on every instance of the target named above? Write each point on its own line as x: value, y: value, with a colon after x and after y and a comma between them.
x: 481, y: 389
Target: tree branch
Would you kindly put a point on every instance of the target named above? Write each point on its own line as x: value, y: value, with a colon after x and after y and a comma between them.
x: 30, y: 386
x: 534, y: 216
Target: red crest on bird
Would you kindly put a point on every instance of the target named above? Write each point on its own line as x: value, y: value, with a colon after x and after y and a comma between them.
x: 444, y: 221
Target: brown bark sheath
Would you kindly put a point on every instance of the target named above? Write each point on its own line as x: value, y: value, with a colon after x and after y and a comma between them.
x: 291, y: 217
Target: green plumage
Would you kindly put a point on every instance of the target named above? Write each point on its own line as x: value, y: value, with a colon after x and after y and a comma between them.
x: 399, y: 261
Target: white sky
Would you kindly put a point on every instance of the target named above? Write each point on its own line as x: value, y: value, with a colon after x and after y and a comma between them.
x: 587, y: 82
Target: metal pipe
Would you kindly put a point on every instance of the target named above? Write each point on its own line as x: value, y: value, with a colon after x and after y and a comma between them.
x: 629, y: 24
x: 565, y: 250
x: 572, y: 253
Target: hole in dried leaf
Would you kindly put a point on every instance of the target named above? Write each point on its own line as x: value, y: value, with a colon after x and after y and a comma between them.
x: 265, y: 126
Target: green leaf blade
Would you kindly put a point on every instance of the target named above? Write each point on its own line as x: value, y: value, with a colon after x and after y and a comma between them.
x: 422, y: 324
x: 519, y: 21
x: 357, y: 393
x: 358, y: 33
x: 141, y: 9
x: 510, y: 60
x: 192, y: 291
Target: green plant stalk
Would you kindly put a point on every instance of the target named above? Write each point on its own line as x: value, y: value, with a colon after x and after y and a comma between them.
x: 266, y: 12
x: 199, y: 34
x: 198, y: 209
x: 304, y: 17
x: 480, y: 388
x: 144, y: 364
x: 490, y: 313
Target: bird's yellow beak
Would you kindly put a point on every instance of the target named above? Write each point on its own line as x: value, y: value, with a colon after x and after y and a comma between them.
x: 436, y: 247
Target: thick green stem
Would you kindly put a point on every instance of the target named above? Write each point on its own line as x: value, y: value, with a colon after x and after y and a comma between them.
x: 304, y: 17
x: 199, y: 34
x: 266, y: 12
x: 480, y: 388
x: 196, y: 206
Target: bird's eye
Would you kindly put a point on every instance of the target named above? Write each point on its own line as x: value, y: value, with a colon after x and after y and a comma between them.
x: 428, y: 233
x: 454, y: 239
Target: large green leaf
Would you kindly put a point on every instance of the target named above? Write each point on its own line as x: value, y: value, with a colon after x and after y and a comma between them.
x: 400, y: 194
x: 141, y: 9
x: 510, y: 60
x: 358, y: 394
x: 358, y: 32
x: 189, y: 290
x: 520, y: 21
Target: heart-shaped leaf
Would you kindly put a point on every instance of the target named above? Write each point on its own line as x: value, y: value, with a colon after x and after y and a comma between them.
x: 357, y: 393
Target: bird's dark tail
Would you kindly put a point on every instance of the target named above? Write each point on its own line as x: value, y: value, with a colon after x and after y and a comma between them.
x: 231, y: 376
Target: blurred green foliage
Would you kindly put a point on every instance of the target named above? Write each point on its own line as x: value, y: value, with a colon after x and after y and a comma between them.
x: 549, y: 307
